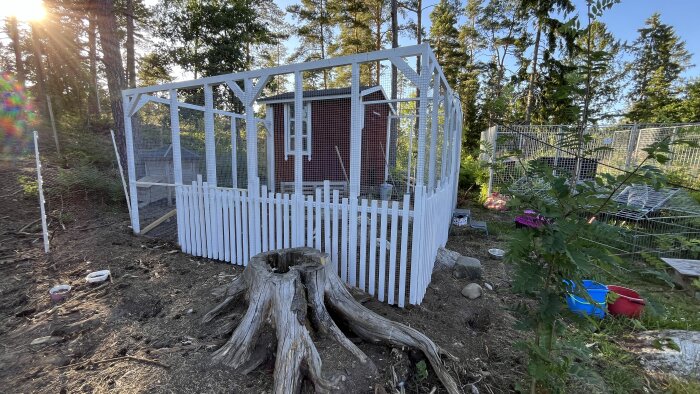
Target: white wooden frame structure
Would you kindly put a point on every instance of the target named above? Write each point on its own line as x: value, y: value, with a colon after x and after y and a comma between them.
x: 387, y: 248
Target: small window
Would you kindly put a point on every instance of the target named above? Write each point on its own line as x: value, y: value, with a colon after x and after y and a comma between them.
x: 290, y: 131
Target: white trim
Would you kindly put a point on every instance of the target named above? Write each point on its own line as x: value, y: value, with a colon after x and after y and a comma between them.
x: 288, y: 151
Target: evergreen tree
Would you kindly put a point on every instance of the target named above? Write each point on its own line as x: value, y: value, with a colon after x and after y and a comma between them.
x: 211, y: 37
x: 355, y: 36
x: 659, y: 59
x: 315, y: 32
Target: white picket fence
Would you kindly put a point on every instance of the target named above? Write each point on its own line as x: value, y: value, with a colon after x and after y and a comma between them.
x: 368, y: 241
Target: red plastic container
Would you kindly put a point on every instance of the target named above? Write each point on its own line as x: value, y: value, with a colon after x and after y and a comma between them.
x: 629, y: 303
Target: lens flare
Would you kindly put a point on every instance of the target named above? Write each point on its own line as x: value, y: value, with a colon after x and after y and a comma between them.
x: 16, y: 114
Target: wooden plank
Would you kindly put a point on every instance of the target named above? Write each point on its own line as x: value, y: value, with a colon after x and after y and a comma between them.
x: 232, y: 224
x: 184, y: 246
x: 209, y: 141
x: 246, y: 226
x: 352, y: 242
x: 219, y: 232
x: 202, y: 234
x: 344, y: 241
x: 317, y: 227
x: 372, y: 247
x: 392, y: 251
x: 280, y: 236
x: 363, y: 244
x: 334, y: 243
x: 239, y: 226
x: 285, y: 219
x: 381, y: 286
x: 416, y: 244
x: 327, y: 218
x: 310, y: 221
x: 207, y: 220
x: 158, y: 221
x: 271, y: 220
x: 223, y: 200
x: 404, y: 249
x: 263, y: 218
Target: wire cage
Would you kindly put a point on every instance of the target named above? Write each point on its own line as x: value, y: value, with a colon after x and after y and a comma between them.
x: 640, y: 219
x: 357, y: 156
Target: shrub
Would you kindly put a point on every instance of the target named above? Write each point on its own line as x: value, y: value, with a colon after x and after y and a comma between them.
x: 100, y: 183
x: 474, y: 176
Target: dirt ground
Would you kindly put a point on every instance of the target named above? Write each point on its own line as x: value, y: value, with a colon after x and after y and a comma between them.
x: 142, y: 331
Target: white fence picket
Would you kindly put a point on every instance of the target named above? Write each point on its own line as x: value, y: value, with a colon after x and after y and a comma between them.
x: 404, y: 249
x: 239, y: 227
x: 352, y: 242
x: 382, y: 251
x: 327, y: 218
x: 280, y: 228
x: 223, y: 200
x: 344, y: 241
x: 334, y: 241
x: 232, y: 224
x: 372, y: 246
x: 317, y: 226
x: 392, y: 251
x: 363, y: 244
x: 245, y: 223
x: 309, y: 221
x: 263, y: 217
x: 271, y: 221
x: 285, y: 218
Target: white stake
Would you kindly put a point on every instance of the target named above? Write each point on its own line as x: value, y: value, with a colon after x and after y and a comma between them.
x: 121, y: 173
x: 40, y: 183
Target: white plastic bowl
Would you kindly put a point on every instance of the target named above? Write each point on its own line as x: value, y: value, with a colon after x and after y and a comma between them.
x: 59, y: 292
x: 497, y: 253
x: 97, y: 276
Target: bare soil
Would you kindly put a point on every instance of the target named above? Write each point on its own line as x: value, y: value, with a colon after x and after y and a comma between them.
x: 141, y: 331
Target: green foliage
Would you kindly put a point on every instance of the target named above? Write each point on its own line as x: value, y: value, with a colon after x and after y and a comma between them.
x: 30, y: 187
x: 421, y: 371
x: 660, y: 57
x: 473, y: 175
x: 95, y: 183
x: 211, y: 37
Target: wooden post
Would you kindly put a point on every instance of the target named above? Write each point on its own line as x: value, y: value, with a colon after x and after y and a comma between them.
x: 356, y: 113
x: 40, y: 184
x: 433, y: 133
x: 209, y: 141
x: 121, y: 172
x: 130, y: 160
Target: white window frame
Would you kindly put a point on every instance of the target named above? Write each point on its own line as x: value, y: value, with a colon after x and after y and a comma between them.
x: 289, y: 134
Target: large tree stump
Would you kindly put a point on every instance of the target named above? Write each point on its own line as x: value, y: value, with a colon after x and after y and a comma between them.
x: 293, y: 287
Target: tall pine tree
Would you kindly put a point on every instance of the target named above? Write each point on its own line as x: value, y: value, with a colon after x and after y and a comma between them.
x: 659, y: 60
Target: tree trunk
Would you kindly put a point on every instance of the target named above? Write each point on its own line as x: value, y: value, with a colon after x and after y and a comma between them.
x: 94, y: 94
x: 292, y: 288
x: 39, y: 65
x: 130, y: 57
x: 13, y: 32
x: 533, y: 76
x: 114, y: 70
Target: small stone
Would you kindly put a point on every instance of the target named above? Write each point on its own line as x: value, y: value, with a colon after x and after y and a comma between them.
x: 488, y: 286
x: 459, y: 272
x: 190, y: 311
x: 45, y: 341
x: 472, y: 291
x: 472, y: 267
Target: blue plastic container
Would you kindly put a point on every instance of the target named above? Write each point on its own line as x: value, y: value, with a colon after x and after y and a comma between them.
x: 598, y: 292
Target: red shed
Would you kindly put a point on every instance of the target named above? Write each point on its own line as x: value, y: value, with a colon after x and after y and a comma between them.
x: 326, y: 139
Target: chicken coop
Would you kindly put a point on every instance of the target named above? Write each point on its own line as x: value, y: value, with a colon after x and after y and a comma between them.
x: 356, y: 156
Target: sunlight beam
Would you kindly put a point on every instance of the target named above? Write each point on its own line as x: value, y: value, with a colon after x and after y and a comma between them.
x: 23, y: 10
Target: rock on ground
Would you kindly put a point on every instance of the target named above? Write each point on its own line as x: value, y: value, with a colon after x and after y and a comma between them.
x: 467, y: 267
x: 472, y: 291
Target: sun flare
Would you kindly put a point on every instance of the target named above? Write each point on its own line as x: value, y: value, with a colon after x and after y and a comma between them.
x: 23, y: 10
